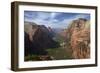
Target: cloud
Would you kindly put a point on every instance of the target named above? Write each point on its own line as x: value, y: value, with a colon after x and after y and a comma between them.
x: 68, y: 20
x: 43, y: 15
x: 54, y: 14
x: 30, y: 15
x: 53, y: 19
x: 86, y: 16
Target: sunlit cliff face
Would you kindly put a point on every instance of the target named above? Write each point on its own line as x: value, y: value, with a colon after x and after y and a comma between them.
x: 80, y: 39
x: 82, y: 23
x: 30, y: 29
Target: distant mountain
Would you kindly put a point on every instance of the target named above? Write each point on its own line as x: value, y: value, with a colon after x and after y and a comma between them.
x: 60, y: 32
x: 37, y: 38
x: 57, y: 30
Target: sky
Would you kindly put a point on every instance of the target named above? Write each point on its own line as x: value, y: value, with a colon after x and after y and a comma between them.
x: 53, y: 19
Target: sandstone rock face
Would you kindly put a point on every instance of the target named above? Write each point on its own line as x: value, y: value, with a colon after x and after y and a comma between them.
x: 80, y: 39
x: 37, y: 38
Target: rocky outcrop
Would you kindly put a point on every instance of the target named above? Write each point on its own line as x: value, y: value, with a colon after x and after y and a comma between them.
x: 37, y: 39
x: 80, y: 38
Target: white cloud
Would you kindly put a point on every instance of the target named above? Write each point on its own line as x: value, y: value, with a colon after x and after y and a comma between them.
x: 68, y: 21
x: 42, y: 15
x: 52, y: 22
x: 53, y: 15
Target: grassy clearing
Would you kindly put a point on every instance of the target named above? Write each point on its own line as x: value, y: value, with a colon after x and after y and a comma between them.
x: 31, y: 58
x: 59, y: 53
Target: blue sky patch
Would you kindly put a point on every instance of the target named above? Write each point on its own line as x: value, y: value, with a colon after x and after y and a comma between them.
x: 53, y: 19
